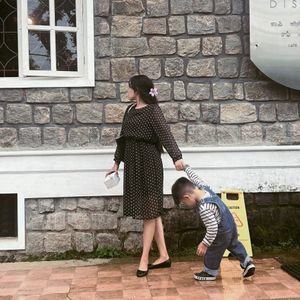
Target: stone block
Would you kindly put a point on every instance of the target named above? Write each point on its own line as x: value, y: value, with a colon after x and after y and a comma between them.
x: 69, y: 204
x: 179, y: 132
x: 170, y: 111
x: 108, y: 240
x: 104, y: 221
x: 233, y: 44
x: 198, y: 91
x: 188, y: 47
x: 251, y: 134
x: 79, y: 220
x: 235, y: 113
x: 223, y: 90
x: 8, y: 137
x: 155, y: 26
x: 189, y: 112
x: 168, y: 202
x: 102, y: 72
x: 238, y: 7
x: 1, y: 115
x: 239, y: 91
x: 162, y: 45
x: 55, y: 221
x: 81, y: 94
x: 58, y: 242
x: 228, y: 24
x: 11, y: 95
x: 201, y: 135
x: 212, y: 45
x: 41, y: 115
x: 174, y: 67
x: 287, y: 111
x: 275, y: 134
x: 264, y: 90
x: 102, y: 46
x: 248, y: 69
x: 228, y: 67
x: 150, y: 67
x: 89, y: 113
x: 47, y: 95
x: 222, y: 7
x: 122, y: 47
x: 204, y: 67
x: 267, y: 112
x: 123, y: 68
x: 84, y: 241
x: 127, y: 7
x: 180, y: 7
x: 128, y: 224
x: 34, y: 243
x: 126, y: 26
x: 92, y: 204
x: 227, y: 134
x: 105, y: 90
x: 210, y: 113
x: 176, y: 25
x: 54, y: 136
x: 114, y: 113
x: 82, y: 136
x: 164, y: 91
x: 134, y: 242
x: 109, y: 135
x: 62, y: 114
x: 102, y: 8
x: 35, y: 222
x: 45, y: 206
x: 101, y: 26
x: 113, y: 204
x: 294, y: 131
x: 157, y: 8
x: 30, y: 137
x: 201, y: 24
x: 179, y: 90
x: 203, y: 6
x: 18, y: 113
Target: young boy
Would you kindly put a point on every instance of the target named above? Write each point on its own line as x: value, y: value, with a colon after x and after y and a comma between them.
x: 221, y: 232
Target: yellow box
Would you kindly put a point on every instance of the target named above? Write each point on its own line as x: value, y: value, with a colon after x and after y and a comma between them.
x: 238, y: 209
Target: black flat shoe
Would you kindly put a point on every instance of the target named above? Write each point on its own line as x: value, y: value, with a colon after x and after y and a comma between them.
x: 140, y: 273
x: 165, y: 264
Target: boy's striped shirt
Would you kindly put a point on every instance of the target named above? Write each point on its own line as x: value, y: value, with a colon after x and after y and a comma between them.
x: 209, y: 212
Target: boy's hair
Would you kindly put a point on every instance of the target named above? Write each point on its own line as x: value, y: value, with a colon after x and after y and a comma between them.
x: 181, y: 187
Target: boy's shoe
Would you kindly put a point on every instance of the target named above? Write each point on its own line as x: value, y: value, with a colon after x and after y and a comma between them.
x: 249, y: 270
x: 203, y: 276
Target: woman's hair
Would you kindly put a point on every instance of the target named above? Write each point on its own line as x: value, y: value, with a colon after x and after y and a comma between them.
x: 181, y: 187
x: 143, y: 85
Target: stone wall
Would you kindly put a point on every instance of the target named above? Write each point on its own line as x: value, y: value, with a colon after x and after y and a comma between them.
x: 82, y: 224
x: 198, y: 54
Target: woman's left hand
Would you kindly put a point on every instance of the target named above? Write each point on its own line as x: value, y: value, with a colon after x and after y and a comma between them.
x: 179, y: 165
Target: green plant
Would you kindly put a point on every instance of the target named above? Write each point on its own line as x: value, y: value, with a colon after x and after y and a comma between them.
x: 108, y: 252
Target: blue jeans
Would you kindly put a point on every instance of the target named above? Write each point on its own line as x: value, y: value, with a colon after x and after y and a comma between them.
x: 224, y: 240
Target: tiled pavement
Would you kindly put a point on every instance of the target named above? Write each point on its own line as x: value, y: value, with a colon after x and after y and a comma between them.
x: 118, y: 281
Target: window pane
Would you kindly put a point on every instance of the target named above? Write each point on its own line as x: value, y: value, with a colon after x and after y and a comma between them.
x: 66, y: 51
x: 8, y: 39
x: 38, y: 12
x: 65, y: 13
x: 8, y: 215
x: 39, y: 50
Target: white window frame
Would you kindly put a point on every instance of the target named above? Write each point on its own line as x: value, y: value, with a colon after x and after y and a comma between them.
x: 85, y: 77
x: 16, y: 243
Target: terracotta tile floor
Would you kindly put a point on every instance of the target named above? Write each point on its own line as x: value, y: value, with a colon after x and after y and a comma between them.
x: 118, y: 281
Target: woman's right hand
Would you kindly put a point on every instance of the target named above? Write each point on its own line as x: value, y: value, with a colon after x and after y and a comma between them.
x: 115, y: 168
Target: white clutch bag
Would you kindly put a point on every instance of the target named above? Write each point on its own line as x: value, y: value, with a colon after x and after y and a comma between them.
x: 111, y: 180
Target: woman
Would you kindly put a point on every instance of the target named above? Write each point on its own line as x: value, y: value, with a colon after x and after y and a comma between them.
x: 144, y: 132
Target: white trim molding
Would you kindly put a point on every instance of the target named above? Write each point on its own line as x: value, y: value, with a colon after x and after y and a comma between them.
x: 80, y: 173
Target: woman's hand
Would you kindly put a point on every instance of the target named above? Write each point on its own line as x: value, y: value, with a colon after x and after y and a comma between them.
x: 115, y: 168
x: 179, y: 165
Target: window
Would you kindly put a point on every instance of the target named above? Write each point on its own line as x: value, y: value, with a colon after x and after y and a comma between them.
x: 46, y: 43
x: 8, y: 215
x: 12, y: 221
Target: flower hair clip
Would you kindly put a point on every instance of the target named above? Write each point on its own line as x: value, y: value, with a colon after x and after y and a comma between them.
x: 153, y: 92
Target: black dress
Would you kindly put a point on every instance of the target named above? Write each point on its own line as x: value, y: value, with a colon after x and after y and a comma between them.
x: 143, y: 130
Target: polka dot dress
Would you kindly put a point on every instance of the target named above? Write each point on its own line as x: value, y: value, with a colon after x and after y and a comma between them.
x: 142, y: 130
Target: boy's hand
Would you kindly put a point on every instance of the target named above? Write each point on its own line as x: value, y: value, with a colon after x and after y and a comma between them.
x: 201, y: 250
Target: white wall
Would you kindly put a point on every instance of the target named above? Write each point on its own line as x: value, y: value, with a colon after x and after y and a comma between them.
x: 74, y: 173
